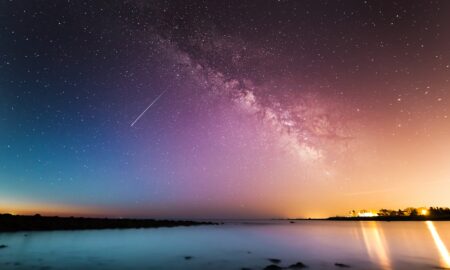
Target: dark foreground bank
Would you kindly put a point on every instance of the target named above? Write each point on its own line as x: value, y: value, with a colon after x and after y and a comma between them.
x: 12, y: 223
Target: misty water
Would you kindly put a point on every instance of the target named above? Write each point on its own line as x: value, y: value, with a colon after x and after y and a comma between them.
x: 235, y: 245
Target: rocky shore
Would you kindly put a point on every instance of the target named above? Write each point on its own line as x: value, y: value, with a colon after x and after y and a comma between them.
x: 12, y: 223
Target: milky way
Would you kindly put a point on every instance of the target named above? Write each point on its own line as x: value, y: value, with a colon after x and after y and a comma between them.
x: 264, y: 108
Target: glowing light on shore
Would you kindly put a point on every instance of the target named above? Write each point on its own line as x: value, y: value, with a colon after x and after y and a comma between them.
x: 443, y: 252
x: 367, y: 214
x: 363, y: 213
x: 375, y: 245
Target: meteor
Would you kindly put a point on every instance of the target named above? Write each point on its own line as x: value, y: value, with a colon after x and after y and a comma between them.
x: 153, y: 102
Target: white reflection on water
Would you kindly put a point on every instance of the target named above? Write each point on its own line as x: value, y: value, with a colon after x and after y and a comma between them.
x: 375, y: 243
x: 443, y: 252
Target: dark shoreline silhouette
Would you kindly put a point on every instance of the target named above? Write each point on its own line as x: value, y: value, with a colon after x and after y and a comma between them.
x: 379, y: 218
x: 14, y: 223
x: 387, y: 218
x: 407, y: 214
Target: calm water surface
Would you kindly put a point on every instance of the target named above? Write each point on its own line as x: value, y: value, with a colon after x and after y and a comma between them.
x: 319, y: 244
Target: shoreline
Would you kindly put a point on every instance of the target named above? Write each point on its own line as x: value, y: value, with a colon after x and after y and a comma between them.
x: 17, y: 223
x: 388, y: 219
x: 382, y: 218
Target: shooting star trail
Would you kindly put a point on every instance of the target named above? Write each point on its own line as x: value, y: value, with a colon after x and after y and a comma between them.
x: 153, y: 102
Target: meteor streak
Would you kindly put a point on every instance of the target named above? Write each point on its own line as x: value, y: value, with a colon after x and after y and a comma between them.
x: 153, y: 102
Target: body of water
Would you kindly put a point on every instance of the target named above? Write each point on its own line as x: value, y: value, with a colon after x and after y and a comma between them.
x: 236, y: 245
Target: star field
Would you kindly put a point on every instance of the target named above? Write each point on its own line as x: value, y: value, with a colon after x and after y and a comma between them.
x: 270, y: 108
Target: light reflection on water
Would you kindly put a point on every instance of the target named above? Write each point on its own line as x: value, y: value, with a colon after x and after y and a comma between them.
x: 375, y: 243
x: 439, y: 245
x: 319, y: 244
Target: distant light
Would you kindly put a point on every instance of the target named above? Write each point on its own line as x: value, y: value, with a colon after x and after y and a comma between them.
x: 367, y: 214
x: 424, y: 212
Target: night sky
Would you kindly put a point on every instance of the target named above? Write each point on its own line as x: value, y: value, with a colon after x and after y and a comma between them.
x: 260, y: 108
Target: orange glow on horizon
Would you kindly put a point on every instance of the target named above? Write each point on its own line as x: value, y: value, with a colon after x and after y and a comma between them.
x: 48, y: 210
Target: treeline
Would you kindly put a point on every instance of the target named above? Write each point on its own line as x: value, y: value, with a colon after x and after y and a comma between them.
x: 408, y: 214
x: 412, y: 212
x: 439, y: 212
